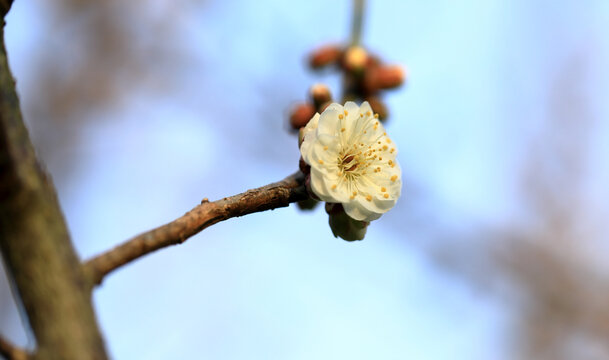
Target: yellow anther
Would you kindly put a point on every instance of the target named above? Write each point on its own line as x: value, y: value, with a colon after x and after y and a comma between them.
x: 383, y: 189
x: 367, y: 113
x: 392, y: 150
x: 342, y: 130
x: 361, y: 115
x: 380, y: 158
x: 346, y: 112
x: 354, y: 193
x: 368, y: 197
x: 379, y: 142
x: 390, y: 162
x: 388, y: 140
x: 325, y: 148
x: 320, y: 161
x: 384, y: 147
x: 340, y: 116
x: 394, y: 178
x: 386, y: 196
x: 351, y: 197
x: 376, y: 116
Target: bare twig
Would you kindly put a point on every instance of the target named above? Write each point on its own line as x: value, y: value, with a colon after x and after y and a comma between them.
x: 279, y: 194
x: 11, y: 352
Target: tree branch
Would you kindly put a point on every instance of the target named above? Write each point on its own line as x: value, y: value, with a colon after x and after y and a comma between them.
x: 11, y: 352
x: 35, y: 244
x: 279, y: 194
x: 357, y: 22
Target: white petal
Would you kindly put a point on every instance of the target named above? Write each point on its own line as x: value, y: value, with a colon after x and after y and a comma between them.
x: 357, y: 212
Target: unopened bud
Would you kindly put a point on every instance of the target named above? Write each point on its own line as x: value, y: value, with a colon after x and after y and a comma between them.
x: 301, y: 115
x: 324, y: 56
x: 320, y: 94
x: 355, y: 58
x: 343, y: 226
x: 385, y: 77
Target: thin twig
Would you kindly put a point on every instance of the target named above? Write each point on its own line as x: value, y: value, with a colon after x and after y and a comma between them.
x: 357, y: 22
x: 11, y: 352
x: 279, y: 194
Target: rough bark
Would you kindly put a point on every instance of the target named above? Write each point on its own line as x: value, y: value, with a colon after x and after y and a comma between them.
x: 35, y: 244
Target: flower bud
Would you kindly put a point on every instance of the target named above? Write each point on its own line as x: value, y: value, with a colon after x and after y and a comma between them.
x: 385, y: 77
x: 344, y: 226
x: 320, y: 94
x: 355, y: 58
x: 324, y: 56
x: 301, y: 115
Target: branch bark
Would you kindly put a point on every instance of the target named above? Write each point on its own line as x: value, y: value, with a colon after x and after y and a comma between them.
x: 35, y: 244
x: 11, y: 352
x: 279, y: 194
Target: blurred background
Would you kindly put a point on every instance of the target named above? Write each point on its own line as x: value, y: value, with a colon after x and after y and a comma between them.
x: 496, y: 250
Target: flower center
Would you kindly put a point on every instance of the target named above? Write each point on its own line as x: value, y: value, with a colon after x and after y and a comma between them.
x: 351, y: 163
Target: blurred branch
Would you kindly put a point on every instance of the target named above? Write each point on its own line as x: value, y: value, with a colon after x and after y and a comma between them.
x: 279, y: 194
x: 35, y: 244
x: 11, y: 352
x: 357, y: 21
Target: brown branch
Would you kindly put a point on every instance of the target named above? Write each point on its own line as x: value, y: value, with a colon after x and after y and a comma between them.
x: 35, y: 245
x: 279, y: 194
x: 11, y: 352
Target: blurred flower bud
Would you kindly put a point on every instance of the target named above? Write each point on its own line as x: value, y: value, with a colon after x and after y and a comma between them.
x: 344, y: 226
x: 320, y: 95
x: 379, y: 107
x: 355, y: 58
x: 324, y: 56
x: 384, y: 77
x: 301, y: 114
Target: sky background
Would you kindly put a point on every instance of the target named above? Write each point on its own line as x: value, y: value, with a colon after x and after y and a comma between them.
x: 201, y: 112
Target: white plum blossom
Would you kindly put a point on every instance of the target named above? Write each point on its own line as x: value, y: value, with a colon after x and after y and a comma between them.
x: 353, y: 161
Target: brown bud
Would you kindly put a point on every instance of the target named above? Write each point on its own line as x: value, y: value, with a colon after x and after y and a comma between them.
x: 355, y: 58
x: 385, y: 77
x: 379, y: 107
x: 320, y: 95
x: 301, y: 114
x: 324, y: 56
